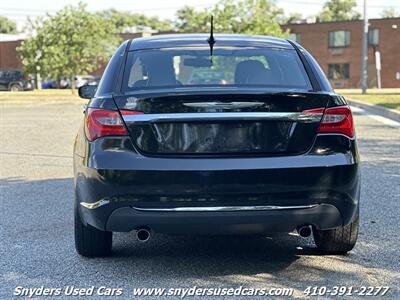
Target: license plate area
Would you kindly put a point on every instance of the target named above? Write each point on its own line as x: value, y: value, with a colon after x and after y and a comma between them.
x: 214, y: 137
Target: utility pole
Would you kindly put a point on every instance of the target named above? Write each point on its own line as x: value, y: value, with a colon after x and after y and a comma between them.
x: 364, y: 55
x: 378, y: 68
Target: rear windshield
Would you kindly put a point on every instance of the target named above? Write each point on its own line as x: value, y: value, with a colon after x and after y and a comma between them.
x: 191, y: 67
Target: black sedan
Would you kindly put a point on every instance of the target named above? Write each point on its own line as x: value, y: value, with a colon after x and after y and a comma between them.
x: 237, y: 135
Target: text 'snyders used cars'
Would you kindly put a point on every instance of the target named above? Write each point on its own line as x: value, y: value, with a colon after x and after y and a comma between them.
x: 224, y: 134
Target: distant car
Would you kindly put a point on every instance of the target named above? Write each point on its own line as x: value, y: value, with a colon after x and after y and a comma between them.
x: 14, y: 80
x: 96, y: 80
x: 63, y: 83
x: 82, y: 80
x: 50, y: 84
x: 258, y: 143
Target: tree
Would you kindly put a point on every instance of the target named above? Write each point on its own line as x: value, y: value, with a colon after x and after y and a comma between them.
x: 125, y: 20
x: 339, y: 10
x: 71, y: 42
x: 390, y: 13
x: 293, y: 18
x: 7, y: 26
x: 237, y: 16
x: 190, y: 20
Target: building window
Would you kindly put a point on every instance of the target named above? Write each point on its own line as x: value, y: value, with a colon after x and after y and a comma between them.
x: 339, y: 39
x: 338, y: 71
x: 373, y: 37
x: 294, y: 37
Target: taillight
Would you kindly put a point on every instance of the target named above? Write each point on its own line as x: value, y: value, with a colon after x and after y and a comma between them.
x: 337, y: 120
x: 101, y: 122
x: 314, y: 111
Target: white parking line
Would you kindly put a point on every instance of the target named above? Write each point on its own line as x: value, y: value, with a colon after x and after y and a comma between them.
x: 378, y: 118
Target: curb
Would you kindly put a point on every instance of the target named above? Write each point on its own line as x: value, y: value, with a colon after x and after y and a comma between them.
x: 379, y: 110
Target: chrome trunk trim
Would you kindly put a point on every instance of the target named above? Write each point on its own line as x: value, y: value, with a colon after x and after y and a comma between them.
x: 216, y: 116
x: 223, y: 105
x: 224, y: 208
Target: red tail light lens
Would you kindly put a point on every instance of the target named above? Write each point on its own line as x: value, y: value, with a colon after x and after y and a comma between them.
x: 337, y: 120
x: 314, y: 111
x: 101, y: 122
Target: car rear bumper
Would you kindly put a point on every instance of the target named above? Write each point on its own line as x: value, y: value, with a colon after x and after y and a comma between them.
x: 225, y: 222
x: 137, y: 191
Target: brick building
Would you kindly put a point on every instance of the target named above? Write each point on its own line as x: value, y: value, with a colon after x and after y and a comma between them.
x: 337, y: 48
x: 335, y: 45
x: 8, y: 53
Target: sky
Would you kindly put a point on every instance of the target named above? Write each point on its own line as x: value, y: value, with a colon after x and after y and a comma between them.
x: 19, y: 10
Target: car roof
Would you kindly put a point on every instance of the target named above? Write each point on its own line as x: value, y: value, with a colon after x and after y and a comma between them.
x: 196, y: 40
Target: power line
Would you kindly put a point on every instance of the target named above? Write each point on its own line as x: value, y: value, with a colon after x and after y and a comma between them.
x: 19, y: 13
x: 17, y: 10
x: 319, y: 3
x: 29, y: 11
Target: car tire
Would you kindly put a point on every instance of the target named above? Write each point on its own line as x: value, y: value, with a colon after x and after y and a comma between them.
x: 90, y: 241
x: 337, y: 241
x: 15, y: 88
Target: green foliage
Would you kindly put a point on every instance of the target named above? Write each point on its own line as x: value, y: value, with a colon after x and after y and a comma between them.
x: 69, y: 43
x: 124, y: 20
x: 293, y: 18
x: 75, y: 41
x: 190, y: 20
x: 234, y: 16
x: 339, y: 10
x: 390, y: 13
x: 7, y: 26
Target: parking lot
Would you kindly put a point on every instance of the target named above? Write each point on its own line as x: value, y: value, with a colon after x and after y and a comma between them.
x: 36, y: 223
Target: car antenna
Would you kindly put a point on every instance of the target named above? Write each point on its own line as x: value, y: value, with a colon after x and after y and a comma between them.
x: 211, y: 40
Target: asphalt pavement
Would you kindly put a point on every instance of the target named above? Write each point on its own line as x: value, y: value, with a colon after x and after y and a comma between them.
x: 36, y: 223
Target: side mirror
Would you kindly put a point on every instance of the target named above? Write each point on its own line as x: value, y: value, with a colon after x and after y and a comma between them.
x: 87, y: 91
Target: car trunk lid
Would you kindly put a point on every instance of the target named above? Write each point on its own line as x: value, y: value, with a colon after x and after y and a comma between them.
x: 224, y: 123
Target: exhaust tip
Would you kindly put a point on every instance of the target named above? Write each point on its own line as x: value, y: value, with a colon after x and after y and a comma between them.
x: 304, y: 231
x: 143, y: 235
